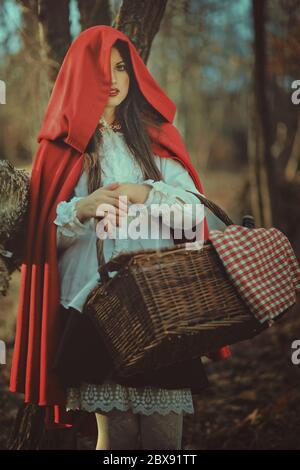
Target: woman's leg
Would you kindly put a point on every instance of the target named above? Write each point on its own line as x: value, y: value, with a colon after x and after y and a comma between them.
x: 117, y: 430
x: 160, y: 432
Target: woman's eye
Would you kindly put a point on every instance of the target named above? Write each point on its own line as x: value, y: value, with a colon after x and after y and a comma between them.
x: 121, y: 67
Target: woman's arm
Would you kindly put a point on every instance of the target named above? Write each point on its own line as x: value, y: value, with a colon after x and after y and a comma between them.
x: 76, y: 217
x: 186, y: 207
x: 172, y: 191
x: 187, y: 212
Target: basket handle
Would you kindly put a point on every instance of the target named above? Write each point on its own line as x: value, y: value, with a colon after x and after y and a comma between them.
x: 214, y: 208
x: 103, y: 271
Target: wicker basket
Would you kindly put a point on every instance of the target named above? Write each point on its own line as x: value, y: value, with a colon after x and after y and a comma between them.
x: 168, y: 305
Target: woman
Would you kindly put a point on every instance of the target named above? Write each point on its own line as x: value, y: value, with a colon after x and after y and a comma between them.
x: 94, y: 147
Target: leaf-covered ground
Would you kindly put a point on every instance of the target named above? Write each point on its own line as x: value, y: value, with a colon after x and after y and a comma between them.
x: 254, y: 398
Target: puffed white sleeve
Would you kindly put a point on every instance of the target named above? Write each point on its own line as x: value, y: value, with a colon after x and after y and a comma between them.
x: 173, y: 191
x: 69, y: 227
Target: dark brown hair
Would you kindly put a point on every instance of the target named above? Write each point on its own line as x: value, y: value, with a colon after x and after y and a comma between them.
x: 133, y: 114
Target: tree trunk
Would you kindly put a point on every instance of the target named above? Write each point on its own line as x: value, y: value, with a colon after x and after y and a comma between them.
x: 140, y: 20
x: 94, y: 12
x: 28, y: 428
x: 294, y: 158
x: 264, y: 165
x: 253, y: 143
x: 29, y: 431
x: 54, y: 30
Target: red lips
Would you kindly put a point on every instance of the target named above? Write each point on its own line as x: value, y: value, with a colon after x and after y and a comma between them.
x: 114, y: 91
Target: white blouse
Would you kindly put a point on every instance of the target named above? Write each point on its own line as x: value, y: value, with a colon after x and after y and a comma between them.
x: 78, y: 264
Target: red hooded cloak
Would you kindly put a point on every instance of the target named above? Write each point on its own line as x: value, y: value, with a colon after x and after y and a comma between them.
x: 76, y: 104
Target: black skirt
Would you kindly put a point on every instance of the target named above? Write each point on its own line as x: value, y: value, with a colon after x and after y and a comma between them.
x: 82, y: 357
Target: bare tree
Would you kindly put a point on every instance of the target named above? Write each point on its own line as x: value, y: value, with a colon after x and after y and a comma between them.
x: 294, y: 158
x: 54, y: 30
x: 262, y: 165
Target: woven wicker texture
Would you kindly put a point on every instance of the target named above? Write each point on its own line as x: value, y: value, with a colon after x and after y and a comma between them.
x: 168, y: 305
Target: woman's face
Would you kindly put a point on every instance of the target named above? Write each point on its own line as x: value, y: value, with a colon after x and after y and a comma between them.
x: 119, y: 78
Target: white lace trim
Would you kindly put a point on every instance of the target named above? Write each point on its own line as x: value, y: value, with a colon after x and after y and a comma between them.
x: 117, y: 161
x: 67, y: 219
x: 144, y: 400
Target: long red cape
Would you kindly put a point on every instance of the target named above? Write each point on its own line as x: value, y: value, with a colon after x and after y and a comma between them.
x: 76, y: 104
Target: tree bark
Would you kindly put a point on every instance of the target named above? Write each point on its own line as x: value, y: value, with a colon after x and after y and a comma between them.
x: 54, y: 30
x: 140, y: 20
x: 253, y: 142
x: 294, y: 158
x: 265, y: 164
x: 94, y: 12
x: 29, y: 431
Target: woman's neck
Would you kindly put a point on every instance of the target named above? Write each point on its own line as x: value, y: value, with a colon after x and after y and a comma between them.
x: 109, y: 115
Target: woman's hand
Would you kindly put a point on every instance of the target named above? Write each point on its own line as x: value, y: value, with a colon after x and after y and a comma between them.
x: 107, y: 195
x: 136, y: 193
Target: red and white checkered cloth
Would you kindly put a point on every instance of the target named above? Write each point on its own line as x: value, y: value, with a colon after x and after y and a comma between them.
x: 262, y: 265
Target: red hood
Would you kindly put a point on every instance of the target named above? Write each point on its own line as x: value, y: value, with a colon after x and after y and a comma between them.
x: 82, y: 87
x: 75, y: 107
